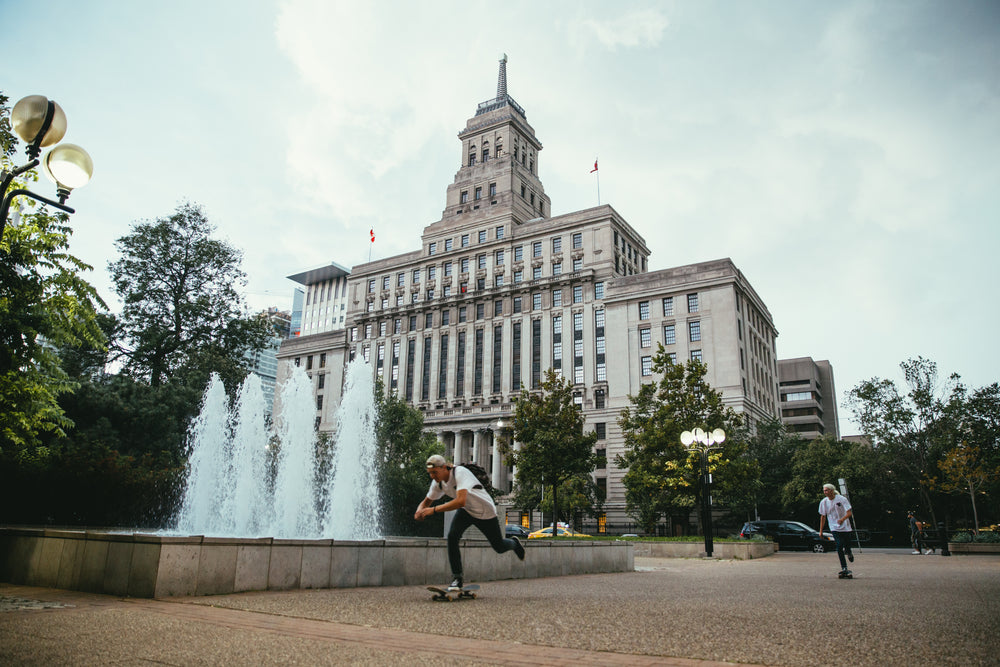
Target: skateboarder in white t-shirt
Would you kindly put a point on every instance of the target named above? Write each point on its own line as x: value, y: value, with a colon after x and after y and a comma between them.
x: 835, y: 508
x: 472, y: 505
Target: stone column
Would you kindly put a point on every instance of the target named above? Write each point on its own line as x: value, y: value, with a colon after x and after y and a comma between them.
x: 477, y: 445
x: 495, y: 468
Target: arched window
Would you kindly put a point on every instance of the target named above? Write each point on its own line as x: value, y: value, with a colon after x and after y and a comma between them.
x: 472, y: 155
x: 486, y: 151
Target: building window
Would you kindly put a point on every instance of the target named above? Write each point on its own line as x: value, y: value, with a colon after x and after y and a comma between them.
x: 461, y: 314
x: 371, y: 286
x: 517, y: 304
x: 601, y: 429
x: 448, y: 244
x: 668, y: 306
x: 671, y: 357
x: 498, y: 280
x: 693, y: 303
x: 497, y: 307
x: 499, y: 256
x: 447, y: 269
x: 415, y: 279
x: 536, y: 249
x: 536, y: 301
x: 694, y: 331
x: 431, y: 273
x: 481, y: 261
x: 556, y: 244
x: 536, y: 272
x: 460, y: 365
x: 381, y: 332
x: 578, y: 294
x: 493, y: 193
x: 647, y: 365
x: 464, y: 199
x: 465, y: 240
x: 669, y: 334
x: 397, y: 326
x: 643, y: 310
x: 443, y: 365
x: 556, y: 268
x: 577, y: 240
x: 465, y: 265
x: 432, y: 248
x: 696, y: 355
x: 518, y: 276
x: 480, y: 311
x: 430, y: 294
x: 482, y: 236
x: 577, y: 264
x: 445, y: 317
x: 599, y: 399
x: 479, y: 193
x: 429, y: 320
x: 319, y: 402
x: 518, y: 253
x: 536, y: 353
x: 446, y: 290
x: 556, y: 298
x: 599, y: 290
x: 413, y: 323
x: 645, y: 339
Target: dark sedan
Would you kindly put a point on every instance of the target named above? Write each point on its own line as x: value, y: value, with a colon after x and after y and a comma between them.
x: 790, y: 535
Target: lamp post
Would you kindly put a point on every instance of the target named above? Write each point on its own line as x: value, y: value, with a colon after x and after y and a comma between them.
x: 700, y: 441
x: 40, y: 122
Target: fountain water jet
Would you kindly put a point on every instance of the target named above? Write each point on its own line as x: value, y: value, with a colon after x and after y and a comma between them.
x: 234, y: 489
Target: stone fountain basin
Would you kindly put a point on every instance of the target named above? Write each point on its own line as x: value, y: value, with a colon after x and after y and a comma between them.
x: 150, y: 565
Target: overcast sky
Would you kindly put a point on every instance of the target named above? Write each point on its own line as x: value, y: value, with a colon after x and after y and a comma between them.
x: 843, y: 154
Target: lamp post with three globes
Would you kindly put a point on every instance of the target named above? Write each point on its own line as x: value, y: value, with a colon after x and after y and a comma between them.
x: 701, y: 441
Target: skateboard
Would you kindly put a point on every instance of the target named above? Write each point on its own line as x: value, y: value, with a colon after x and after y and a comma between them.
x: 845, y: 574
x: 444, y: 595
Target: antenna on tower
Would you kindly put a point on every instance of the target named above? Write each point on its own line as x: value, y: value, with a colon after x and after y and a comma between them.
x: 502, y: 80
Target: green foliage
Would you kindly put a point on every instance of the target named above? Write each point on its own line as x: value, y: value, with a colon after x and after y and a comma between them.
x: 182, y: 310
x: 403, y: 448
x: 772, y: 447
x: 554, y: 448
x: 663, y: 476
x: 44, y: 303
x: 578, y: 496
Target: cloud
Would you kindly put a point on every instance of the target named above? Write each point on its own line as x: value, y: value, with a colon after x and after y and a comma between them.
x: 642, y: 28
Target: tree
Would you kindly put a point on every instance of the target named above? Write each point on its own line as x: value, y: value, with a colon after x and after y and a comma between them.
x: 403, y: 448
x: 44, y: 303
x: 772, y: 446
x: 912, y: 429
x: 554, y: 448
x: 662, y: 475
x: 182, y: 309
x: 963, y: 470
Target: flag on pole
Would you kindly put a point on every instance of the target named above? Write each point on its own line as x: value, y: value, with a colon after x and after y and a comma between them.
x: 595, y: 166
x: 373, y: 234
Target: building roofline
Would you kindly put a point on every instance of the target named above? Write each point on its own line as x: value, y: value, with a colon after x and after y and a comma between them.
x: 320, y: 274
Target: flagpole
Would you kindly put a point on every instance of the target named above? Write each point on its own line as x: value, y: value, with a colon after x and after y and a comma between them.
x: 598, y: 188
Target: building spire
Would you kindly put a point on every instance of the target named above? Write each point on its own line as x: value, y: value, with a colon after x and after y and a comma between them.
x: 502, y: 80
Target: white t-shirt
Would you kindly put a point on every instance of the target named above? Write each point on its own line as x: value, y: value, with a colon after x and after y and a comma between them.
x: 834, y: 510
x: 478, y: 502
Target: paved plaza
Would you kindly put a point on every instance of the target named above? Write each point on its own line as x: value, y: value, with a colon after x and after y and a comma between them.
x: 786, y: 609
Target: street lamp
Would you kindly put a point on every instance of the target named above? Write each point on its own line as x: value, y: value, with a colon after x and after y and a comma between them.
x: 700, y: 441
x: 40, y: 122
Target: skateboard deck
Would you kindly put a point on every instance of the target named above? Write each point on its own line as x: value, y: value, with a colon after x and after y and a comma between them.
x: 442, y: 594
x: 845, y: 574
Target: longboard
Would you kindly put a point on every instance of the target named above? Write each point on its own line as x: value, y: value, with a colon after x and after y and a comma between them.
x: 444, y: 595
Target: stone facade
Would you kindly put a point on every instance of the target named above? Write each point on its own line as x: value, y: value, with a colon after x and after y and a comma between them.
x: 501, y: 290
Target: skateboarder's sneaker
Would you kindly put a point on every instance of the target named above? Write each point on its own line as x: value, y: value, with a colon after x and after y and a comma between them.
x: 850, y: 556
x: 913, y: 553
x: 456, y: 585
x: 518, y: 547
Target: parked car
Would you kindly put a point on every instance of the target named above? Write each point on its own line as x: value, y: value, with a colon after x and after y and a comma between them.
x: 790, y: 535
x: 513, y: 530
x: 547, y: 532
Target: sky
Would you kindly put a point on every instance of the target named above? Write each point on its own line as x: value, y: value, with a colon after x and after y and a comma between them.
x: 845, y: 155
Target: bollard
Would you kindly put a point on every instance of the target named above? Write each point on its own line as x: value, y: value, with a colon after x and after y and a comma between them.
x: 943, y: 537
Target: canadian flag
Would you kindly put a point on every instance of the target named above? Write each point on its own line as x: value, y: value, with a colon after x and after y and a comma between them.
x: 373, y: 234
x: 595, y: 167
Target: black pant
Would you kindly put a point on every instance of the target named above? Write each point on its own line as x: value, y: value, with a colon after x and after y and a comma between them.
x: 843, y: 540
x: 489, y: 527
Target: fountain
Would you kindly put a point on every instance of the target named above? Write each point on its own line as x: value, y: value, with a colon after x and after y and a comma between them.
x: 234, y: 489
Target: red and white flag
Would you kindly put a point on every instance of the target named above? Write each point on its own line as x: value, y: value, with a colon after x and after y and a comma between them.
x: 595, y: 167
x: 373, y: 234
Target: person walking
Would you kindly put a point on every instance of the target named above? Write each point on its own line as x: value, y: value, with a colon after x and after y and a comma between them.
x: 472, y: 505
x: 916, y: 534
x: 836, y: 509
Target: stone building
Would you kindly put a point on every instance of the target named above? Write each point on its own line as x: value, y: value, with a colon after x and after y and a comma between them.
x: 808, y: 398
x: 501, y: 290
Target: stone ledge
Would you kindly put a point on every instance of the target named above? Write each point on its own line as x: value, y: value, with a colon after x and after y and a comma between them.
x: 145, y: 565
x: 727, y: 550
x: 974, y: 547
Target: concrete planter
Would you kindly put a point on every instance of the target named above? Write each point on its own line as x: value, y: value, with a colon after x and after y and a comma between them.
x: 728, y: 550
x: 142, y: 565
x: 974, y: 547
